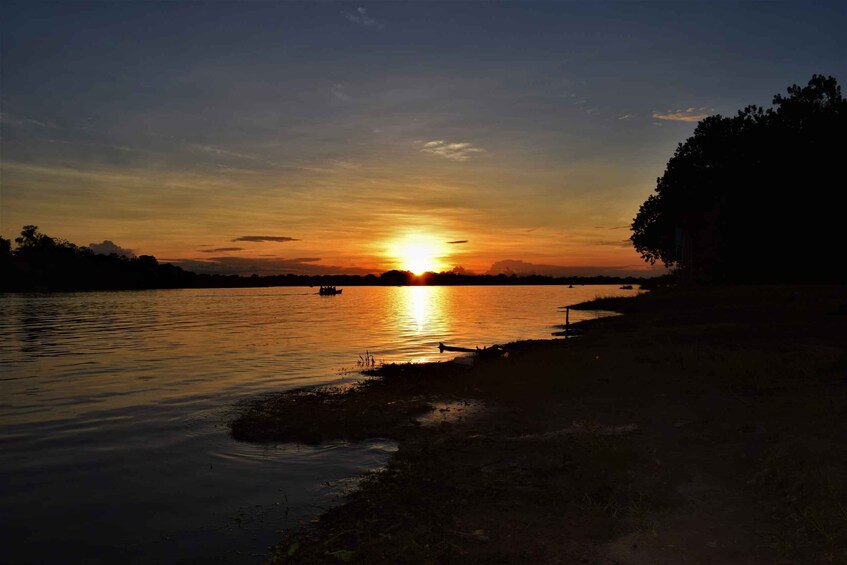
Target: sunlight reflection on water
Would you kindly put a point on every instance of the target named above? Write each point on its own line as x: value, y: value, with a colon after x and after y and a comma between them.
x: 113, y: 406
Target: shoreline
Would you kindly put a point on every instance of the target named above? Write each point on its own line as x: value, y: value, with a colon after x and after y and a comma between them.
x: 672, y: 431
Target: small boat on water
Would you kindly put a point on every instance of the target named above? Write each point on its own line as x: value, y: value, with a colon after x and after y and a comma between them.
x: 626, y: 287
x: 330, y: 291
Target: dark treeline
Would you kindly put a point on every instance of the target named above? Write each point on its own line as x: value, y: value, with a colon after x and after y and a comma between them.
x: 753, y: 198
x: 43, y: 263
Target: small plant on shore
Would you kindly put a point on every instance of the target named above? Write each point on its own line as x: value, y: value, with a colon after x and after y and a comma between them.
x: 367, y: 360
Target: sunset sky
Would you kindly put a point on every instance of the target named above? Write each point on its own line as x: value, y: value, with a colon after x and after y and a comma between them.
x: 321, y: 137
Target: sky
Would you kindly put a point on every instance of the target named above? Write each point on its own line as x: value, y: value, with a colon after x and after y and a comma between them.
x: 346, y: 137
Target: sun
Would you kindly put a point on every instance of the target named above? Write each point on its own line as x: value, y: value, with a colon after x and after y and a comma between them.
x: 418, y: 258
x: 418, y: 254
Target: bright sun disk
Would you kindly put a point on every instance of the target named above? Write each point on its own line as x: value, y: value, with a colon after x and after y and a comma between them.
x: 418, y: 254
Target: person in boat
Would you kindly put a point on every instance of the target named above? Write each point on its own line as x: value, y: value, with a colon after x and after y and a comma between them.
x: 329, y: 289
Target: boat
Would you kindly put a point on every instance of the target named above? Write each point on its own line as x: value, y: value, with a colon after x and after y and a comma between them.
x: 330, y: 291
x: 626, y: 287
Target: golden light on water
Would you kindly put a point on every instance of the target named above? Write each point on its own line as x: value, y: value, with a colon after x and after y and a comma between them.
x: 426, y: 311
x: 419, y: 305
x: 418, y: 253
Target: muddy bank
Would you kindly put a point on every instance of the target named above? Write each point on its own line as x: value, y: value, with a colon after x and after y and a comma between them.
x: 384, y: 405
x: 703, y: 426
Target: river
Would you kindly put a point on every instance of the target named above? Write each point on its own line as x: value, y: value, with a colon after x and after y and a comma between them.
x: 113, y: 408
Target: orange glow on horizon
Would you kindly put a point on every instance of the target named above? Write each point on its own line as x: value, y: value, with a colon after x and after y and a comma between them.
x: 418, y: 254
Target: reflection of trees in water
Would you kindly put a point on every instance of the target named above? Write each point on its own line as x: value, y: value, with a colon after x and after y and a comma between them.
x: 53, y: 325
x: 37, y: 330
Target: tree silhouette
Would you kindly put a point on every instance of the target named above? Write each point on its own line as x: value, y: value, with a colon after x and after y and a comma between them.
x: 6, y: 259
x: 751, y: 198
x: 41, y: 262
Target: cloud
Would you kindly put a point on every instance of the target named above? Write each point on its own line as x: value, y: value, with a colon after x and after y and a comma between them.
x: 339, y: 91
x: 452, y: 151
x: 225, y: 155
x: 223, y: 152
x: 625, y: 243
x: 258, y: 238
x: 108, y: 247
x: 687, y: 115
x: 627, y: 117
x: 457, y: 241
x: 518, y: 267
x: 12, y: 120
x: 220, y: 249
x: 263, y: 266
x: 345, y: 164
x: 460, y: 270
x: 361, y: 17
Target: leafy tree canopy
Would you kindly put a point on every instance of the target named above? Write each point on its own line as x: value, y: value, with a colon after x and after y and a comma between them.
x: 754, y: 197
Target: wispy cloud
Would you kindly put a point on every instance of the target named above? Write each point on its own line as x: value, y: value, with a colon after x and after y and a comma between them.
x: 12, y: 120
x: 259, y: 238
x: 223, y: 152
x: 458, y: 241
x: 625, y: 243
x: 220, y: 249
x: 344, y: 164
x: 360, y: 16
x: 453, y: 151
x: 687, y: 115
x: 339, y: 92
x: 626, y: 117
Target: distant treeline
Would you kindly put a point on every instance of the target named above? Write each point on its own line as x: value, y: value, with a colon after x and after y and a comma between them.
x: 41, y: 263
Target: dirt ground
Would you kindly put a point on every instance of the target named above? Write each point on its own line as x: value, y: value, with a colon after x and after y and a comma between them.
x: 703, y: 426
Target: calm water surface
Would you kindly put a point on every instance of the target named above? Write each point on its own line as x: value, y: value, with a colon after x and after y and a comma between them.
x: 113, y: 408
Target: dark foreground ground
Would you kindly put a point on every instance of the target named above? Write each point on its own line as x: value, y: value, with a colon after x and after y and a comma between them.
x: 703, y: 426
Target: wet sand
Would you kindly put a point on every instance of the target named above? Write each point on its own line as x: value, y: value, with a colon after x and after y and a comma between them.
x: 703, y: 426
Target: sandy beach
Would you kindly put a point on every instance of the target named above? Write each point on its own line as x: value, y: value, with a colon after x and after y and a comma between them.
x: 702, y: 426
